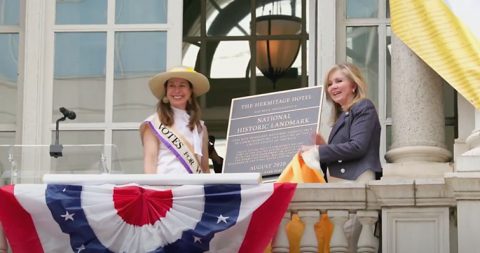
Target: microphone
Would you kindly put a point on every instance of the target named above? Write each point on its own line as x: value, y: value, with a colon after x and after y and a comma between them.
x: 67, y: 113
x: 56, y: 148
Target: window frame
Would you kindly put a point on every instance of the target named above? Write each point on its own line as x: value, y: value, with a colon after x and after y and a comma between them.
x: 36, y: 72
x: 382, y: 22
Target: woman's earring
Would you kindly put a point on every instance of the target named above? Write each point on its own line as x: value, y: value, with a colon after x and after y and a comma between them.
x: 353, y: 90
x: 165, y: 100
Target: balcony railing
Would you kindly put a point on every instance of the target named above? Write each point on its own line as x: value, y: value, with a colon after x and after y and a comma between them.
x: 417, y: 215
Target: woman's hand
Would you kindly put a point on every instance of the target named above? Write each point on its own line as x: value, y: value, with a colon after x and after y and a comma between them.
x: 319, y: 139
x: 310, y: 151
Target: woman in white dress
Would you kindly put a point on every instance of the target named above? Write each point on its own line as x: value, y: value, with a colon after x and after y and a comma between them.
x: 174, y: 139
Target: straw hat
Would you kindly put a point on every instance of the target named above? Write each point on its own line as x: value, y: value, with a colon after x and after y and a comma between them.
x: 199, y: 82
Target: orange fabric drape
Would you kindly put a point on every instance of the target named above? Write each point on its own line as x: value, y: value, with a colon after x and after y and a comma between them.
x: 297, y: 171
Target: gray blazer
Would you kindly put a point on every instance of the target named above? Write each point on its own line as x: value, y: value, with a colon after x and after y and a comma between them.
x: 354, y: 143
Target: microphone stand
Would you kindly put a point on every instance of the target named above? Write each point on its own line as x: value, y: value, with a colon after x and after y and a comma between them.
x: 56, y: 149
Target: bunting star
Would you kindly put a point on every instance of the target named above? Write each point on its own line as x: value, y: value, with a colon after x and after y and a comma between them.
x: 197, y: 239
x: 222, y: 219
x: 68, y: 216
x: 81, y: 248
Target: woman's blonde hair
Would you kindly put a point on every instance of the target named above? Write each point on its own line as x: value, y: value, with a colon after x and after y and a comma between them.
x: 353, y: 73
x: 165, y: 111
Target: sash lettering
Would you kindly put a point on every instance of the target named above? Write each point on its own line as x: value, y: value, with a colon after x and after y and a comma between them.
x: 175, y: 144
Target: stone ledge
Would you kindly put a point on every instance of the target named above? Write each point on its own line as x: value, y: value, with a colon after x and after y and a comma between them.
x: 416, y: 170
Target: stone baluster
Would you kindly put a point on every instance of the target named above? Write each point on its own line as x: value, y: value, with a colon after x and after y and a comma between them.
x: 338, y: 243
x: 280, y: 242
x: 309, y: 240
x: 367, y: 243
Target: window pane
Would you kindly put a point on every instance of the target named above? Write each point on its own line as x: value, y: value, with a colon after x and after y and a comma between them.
x: 225, y: 58
x: 79, y: 77
x: 362, y: 8
x: 228, y: 18
x: 9, y: 12
x: 282, y: 7
x: 81, y: 12
x: 138, y: 56
x: 388, y: 136
x: 6, y: 139
x: 191, y: 53
x: 8, y: 77
x: 82, y: 152
x: 362, y: 50
x: 228, y: 82
x: 79, y: 137
x: 130, y: 150
x: 389, y: 72
x: 140, y: 11
x: 388, y: 9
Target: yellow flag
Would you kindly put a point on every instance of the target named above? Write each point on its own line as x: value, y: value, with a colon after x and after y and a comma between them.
x: 446, y: 35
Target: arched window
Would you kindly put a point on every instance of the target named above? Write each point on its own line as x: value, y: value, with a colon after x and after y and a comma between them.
x: 219, y: 42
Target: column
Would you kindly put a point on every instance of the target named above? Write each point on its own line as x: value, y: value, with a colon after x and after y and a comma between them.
x: 418, y: 129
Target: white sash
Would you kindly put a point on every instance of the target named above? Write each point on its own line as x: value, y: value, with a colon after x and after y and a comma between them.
x: 175, y: 144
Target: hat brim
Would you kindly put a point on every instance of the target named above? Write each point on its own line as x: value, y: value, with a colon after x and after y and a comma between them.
x: 199, y: 82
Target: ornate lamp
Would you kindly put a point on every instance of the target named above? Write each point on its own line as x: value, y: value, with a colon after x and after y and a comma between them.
x: 274, y: 57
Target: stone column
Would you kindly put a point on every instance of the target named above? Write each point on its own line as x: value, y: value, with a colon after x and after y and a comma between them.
x: 418, y: 129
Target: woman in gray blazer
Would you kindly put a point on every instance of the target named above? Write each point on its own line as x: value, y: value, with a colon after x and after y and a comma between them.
x: 352, y: 151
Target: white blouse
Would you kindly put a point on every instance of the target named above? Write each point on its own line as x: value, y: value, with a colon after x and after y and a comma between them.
x: 167, y: 162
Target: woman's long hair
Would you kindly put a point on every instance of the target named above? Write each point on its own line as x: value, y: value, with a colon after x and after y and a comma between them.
x: 353, y: 73
x: 165, y: 111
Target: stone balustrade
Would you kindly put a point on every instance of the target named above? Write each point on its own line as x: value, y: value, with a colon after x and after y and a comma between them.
x: 417, y: 215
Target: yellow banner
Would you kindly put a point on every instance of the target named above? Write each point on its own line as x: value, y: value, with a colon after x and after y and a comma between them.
x: 444, y: 34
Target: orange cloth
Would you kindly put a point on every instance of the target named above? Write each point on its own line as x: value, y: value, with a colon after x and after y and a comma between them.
x: 297, y: 171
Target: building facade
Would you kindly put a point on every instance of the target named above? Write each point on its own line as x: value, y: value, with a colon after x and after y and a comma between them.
x: 95, y: 58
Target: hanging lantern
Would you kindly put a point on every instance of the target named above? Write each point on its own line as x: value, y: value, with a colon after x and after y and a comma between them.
x: 276, y: 56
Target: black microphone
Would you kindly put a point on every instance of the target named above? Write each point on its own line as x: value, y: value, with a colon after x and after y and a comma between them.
x: 67, y: 113
x: 56, y: 148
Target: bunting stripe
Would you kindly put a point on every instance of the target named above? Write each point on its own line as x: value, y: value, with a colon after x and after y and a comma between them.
x: 440, y: 38
x: 41, y: 218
